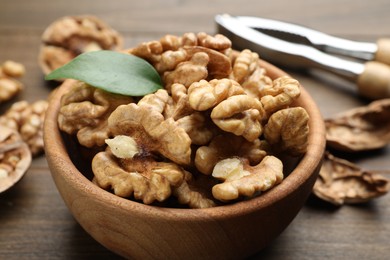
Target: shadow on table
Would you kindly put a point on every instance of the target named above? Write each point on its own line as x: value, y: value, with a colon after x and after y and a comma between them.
x: 83, y: 246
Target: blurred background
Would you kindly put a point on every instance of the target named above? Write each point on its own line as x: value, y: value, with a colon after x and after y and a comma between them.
x: 23, y: 22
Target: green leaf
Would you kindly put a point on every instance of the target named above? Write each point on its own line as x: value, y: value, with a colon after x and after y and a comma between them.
x: 112, y: 71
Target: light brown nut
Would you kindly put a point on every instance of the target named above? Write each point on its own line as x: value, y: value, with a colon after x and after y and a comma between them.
x: 225, y: 146
x: 244, y: 65
x: 283, y: 92
x: 342, y: 182
x: 13, y: 69
x: 52, y: 57
x: 140, y: 177
x: 360, y: 129
x: 173, y: 42
x: 240, y: 179
x: 75, y: 35
x: 167, y: 53
x: 255, y: 84
x: 217, y: 42
x: 150, y: 51
x: 9, y: 139
x: 27, y: 118
x: 240, y: 115
x: 169, y: 60
x: 219, y: 65
x: 146, y: 124
x: 204, y: 95
x: 188, y: 195
x: 84, y: 112
x: 10, y: 86
x: 198, y: 127
x: 188, y: 72
x: 179, y: 106
x: 288, y: 130
x: 15, y: 157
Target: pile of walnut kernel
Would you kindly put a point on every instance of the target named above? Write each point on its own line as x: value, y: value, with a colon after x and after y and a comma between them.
x: 210, y: 137
x: 23, y: 117
x: 21, y: 126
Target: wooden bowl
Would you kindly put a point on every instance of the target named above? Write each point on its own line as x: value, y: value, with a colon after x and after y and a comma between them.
x: 135, y: 230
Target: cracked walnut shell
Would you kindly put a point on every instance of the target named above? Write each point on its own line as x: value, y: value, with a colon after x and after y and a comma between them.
x: 15, y: 157
x: 342, y: 182
x: 360, y: 129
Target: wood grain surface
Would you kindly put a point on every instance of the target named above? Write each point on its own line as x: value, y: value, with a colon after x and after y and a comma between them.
x: 34, y: 221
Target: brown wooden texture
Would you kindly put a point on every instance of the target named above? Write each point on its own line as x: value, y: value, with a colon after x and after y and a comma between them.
x: 34, y: 221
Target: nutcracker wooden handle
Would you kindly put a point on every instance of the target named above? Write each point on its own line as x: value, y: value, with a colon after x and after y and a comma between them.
x: 374, y: 82
x: 383, y: 52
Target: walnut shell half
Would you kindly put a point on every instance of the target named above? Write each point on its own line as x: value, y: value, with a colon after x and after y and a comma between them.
x: 15, y: 158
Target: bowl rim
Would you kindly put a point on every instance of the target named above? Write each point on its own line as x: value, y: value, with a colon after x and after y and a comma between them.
x: 57, y: 156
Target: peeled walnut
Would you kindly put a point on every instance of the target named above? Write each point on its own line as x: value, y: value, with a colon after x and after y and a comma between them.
x: 287, y: 130
x: 219, y: 65
x: 342, y: 182
x: 84, y: 112
x: 188, y: 194
x: 218, y: 42
x: 360, y: 129
x: 188, y: 72
x: 70, y: 36
x: 204, y: 94
x: 15, y: 157
x: 244, y: 65
x: 240, y: 179
x: 283, y: 92
x: 137, y: 175
x: 198, y: 127
x: 173, y: 42
x: 225, y: 146
x: 256, y: 83
x: 240, y: 115
x: 27, y: 118
x: 10, y: 86
x: 145, y: 122
x: 232, y: 110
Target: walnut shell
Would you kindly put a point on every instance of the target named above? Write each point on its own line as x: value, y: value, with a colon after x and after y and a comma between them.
x: 15, y: 158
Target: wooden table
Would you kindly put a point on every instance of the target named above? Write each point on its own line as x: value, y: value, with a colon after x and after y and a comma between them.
x: 34, y: 221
